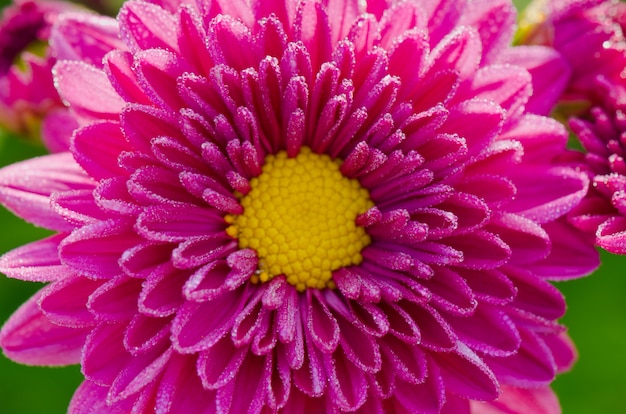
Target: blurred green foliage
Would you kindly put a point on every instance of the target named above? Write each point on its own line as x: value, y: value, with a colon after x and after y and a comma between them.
x: 596, y: 319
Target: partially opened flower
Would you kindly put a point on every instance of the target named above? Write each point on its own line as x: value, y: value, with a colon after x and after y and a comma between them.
x: 602, y: 133
x: 588, y: 34
x: 27, y: 93
x: 299, y: 207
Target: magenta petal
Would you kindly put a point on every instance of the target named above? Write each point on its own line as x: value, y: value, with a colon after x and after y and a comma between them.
x: 25, y: 187
x: 162, y: 292
x: 57, y: 129
x: 563, y: 349
x: 96, y: 148
x: 347, y: 383
x: 322, y: 325
x: 572, y: 255
x: 544, y: 195
x: 611, y: 235
x: 251, y: 378
x: 541, y: 137
x: 144, y: 333
x: 166, y: 224
x: 508, y: 86
x: 90, y: 398
x: 520, y: 400
x: 109, y: 238
x: 427, y: 398
x: 460, y: 50
x: 219, y: 364
x: 550, y: 73
x: 535, y: 295
x: 488, y: 331
x: 527, y: 240
x: 65, y: 302
x: 87, y: 90
x: 487, y: 18
x: 35, y: 262
x: 533, y: 365
x: 144, y: 26
x: 192, y: 332
x: 118, y: 66
x: 116, y: 299
x: 180, y: 390
x: 28, y: 337
x: 84, y: 37
x: 77, y: 207
x: 139, y: 372
x: 158, y: 72
x: 465, y: 374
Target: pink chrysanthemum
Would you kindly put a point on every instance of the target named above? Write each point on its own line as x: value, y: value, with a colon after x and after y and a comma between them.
x: 588, y: 34
x: 324, y: 206
x: 27, y: 93
x: 602, y: 133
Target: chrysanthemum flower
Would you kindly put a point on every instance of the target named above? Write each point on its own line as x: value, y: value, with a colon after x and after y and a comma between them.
x: 589, y: 34
x: 27, y: 93
x: 602, y: 133
x: 323, y: 206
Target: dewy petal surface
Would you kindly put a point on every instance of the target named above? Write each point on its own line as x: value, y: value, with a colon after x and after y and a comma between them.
x: 170, y: 270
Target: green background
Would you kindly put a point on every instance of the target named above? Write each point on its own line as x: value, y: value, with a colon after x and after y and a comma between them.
x: 596, y: 318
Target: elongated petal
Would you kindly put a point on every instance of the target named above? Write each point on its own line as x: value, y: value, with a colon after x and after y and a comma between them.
x: 25, y: 187
x: 30, y: 338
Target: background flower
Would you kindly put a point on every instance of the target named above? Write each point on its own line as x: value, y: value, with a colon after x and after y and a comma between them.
x: 31, y: 109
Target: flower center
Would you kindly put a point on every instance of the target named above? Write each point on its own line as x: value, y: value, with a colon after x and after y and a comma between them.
x: 299, y: 216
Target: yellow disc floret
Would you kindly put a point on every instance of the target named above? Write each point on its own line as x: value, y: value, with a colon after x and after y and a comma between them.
x: 299, y: 217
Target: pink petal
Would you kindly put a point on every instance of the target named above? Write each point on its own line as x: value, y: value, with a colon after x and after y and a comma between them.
x: 145, y: 26
x: 144, y: 333
x: 25, y: 187
x: 541, y: 137
x: 527, y: 240
x: 35, y: 262
x: 466, y: 375
x: 109, y: 238
x: 104, y: 356
x: 495, y: 22
x: 519, y: 400
x: 460, y: 51
x: 192, y: 332
x: 65, y: 302
x: 158, y: 72
x: 138, y: 373
x: 57, y: 129
x: 84, y: 37
x: 118, y: 67
x: 611, y: 235
x: 96, y: 148
x: 544, y: 194
x: 488, y: 330
x: 180, y: 389
x: 549, y: 70
x: 251, y: 378
x: 347, y: 383
x: 533, y: 365
x: 90, y: 398
x: 116, y: 300
x: 572, y: 255
x: 535, y: 295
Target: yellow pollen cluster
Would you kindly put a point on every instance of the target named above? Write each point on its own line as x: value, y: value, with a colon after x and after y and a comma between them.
x: 299, y: 217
